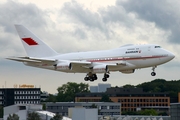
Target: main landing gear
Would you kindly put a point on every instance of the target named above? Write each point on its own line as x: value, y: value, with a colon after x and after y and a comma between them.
x: 91, y: 77
x: 104, y: 79
x: 153, y: 73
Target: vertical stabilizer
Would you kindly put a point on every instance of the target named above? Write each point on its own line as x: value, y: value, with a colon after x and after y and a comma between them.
x: 34, y: 46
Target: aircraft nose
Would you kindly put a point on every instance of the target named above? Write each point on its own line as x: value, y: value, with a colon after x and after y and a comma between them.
x: 171, y: 55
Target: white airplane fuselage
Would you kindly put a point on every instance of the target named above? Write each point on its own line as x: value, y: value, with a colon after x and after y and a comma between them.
x: 136, y: 56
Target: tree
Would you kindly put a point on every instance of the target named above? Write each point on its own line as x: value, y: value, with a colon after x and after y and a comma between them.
x: 57, y: 117
x: 161, y: 85
x: 51, y: 98
x: 13, y: 117
x: 105, y: 98
x: 142, y: 112
x: 44, y: 106
x: 67, y: 92
x: 33, y: 116
x: 128, y: 86
x: 149, y: 112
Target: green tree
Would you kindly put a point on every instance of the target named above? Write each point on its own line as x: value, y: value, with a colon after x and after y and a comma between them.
x: 128, y: 86
x: 148, y: 112
x: 1, y: 111
x: 51, y: 98
x: 44, y: 106
x: 33, y: 116
x: 57, y: 117
x: 130, y: 113
x: 161, y: 85
x: 13, y: 117
x: 105, y: 98
x: 67, y: 92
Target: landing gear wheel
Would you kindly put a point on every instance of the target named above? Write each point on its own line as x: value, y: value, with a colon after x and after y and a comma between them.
x: 104, y: 79
x: 94, y: 76
x: 86, y: 78
x: 106, y: 76
x: 91, y: 79
x: 153, y: 74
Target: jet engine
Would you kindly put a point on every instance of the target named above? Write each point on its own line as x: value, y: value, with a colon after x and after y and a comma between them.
x: 100, y: 68
x: 127, y: 71
x: 63, y: 66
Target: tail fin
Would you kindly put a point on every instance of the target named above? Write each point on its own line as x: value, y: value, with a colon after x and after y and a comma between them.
x: 33, y: 45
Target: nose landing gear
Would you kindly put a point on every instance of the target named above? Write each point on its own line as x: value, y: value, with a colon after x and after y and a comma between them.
x: 153, y: 73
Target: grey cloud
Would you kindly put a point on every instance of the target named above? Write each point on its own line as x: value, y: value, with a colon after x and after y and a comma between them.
x: 85, y: 16
x: 116, y: 14
x: 17, y: 13
x: 164, y: 13
x: 90, y: 19
x: 80, y: 33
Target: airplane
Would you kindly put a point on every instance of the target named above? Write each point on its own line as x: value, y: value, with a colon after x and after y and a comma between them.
x: 125, y: 59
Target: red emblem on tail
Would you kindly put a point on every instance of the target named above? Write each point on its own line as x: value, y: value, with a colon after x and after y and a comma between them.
x: 30, y: 41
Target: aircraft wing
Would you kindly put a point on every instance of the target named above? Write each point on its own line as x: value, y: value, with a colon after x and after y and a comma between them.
x: 80, y: 66
x: 32, y: 60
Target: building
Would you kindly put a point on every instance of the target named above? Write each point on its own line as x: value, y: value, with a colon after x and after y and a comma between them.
x: 105, y: 108
x: 131, y: 99
x: 93, y: 89
x: 83, y: 114
x: 22, y: 110
x: 175, y: 111
x: 11, y: 96
x: 44, y: 96
x: 102, y: 87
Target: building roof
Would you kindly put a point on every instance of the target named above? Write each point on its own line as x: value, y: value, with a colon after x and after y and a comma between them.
x: 50, y: 114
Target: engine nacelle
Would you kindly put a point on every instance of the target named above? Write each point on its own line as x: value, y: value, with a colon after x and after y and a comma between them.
x: 100, y: 68
x: 63, y: 66
x: 127, y: 71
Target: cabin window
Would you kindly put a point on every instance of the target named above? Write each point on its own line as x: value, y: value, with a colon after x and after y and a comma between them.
x: 157, y: 46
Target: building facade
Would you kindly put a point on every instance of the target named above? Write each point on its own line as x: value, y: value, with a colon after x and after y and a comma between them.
x: 102, y: 87
x: 11, y: 96
x: 105, y: 108
x: 131, y: 99
x: 175, y: 111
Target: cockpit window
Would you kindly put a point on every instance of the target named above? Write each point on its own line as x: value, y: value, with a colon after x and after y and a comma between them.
x: 157, y: 46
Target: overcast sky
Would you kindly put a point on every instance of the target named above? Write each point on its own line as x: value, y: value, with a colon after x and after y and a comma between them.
x: 72, y: 26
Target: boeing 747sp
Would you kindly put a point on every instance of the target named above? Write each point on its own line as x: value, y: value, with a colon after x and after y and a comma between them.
x: 125, y: 59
